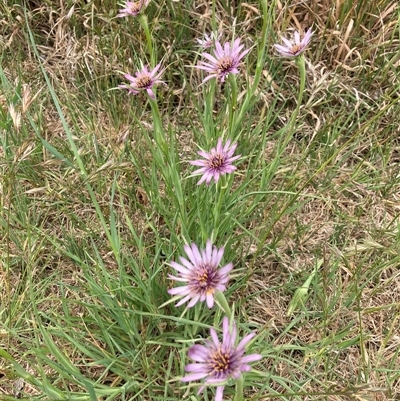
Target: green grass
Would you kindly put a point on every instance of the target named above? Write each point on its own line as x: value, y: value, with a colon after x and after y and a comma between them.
x: 97, y: 198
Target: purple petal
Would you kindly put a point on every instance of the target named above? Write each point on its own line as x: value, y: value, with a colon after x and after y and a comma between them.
x: 196, y: 368
x: 296, y: 37
x: 219, y: 393
x: 219, y: 51
x: 206, y: 155
x: 155, y: 69
x: 202, y: 179
x: 193, y: 377
x: 229, y: 169
x: 198, y: 162
x: 287, y: 42
x: 151, y: 93
x: 244, y: 341
x: 231, y: 159
x: 198, y: 353
x: 227, y: 49
x: 214, y: 337
x: 251, y: 358
x: 183, y: 300
x: 209, y: 77
x: 190, y: 254
x: 244, y: 52
x: 209, y: 249
x: 227, y: 146
x: 180, y: 279
x: 219, y: 148
x: 193, y: 302
x: 209, y: 57
x: 217, y: 256
x: 225, y: 330
x: 196, y: 254
x: 233, y: 335
x: 236, y: 375
x: 200, y: 171
x: 210, y: 300
x: 206, y: 67
x: 130, y: 78
x: 180, y: 268
x: 184, y: 290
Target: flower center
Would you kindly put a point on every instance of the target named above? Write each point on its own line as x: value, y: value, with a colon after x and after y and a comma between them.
x: 220, y: 362
x: 143, y: 82
x: 225, y: 64
x: 136, y: 6
x: 216, y: 161
x: 204, y: 279
x: 296, y: 48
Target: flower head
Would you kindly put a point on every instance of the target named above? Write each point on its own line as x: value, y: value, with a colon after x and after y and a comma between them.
x: 216, y: 361
x: 294, y: 50
x: 133, y: 8
x: 216, y: 163
x: 201, y: 275
x: 208, y: 40
x: 144, y: 80
x: 226, y: 60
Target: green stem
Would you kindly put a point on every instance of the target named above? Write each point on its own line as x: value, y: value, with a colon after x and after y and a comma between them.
x: 145, y: 25
x: 223, y: 304
x: 158, y: 128
x: 213, y: 18
x: 239, y: 389
x: 222, y: 185
x: 265, y: 4
x: 233, y: 100
x: 300, y: 62
x: 208, y: 112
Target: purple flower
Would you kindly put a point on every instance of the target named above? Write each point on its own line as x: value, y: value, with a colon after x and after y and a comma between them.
x: 225, y: 60
x: 201, y: 275
x: 217, y: 162
x: 217, y: 362
x: 144, y: 80
x: 133, y: 8
x: 208, y: 40
x: 294, y: 50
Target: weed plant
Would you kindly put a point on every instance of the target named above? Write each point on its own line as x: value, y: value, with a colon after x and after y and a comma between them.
x: 193, y: 207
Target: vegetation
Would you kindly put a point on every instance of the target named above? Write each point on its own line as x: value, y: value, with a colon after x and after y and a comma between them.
x: 98, y: 198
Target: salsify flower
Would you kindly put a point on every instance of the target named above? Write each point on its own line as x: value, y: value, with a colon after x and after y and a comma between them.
x: 208, y: 40
x: 225, y: 60
x: 201, y: 274
x: 216, y: 361
x: 144, y: 80
x: 216, y: 163
x: 296, y: 48
x: 133, y: 8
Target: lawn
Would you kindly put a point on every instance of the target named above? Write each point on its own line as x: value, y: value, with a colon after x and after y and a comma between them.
x: 166, y: 195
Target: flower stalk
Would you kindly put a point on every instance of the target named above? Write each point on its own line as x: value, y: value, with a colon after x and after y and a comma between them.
x: 233, y: 102
x: 239, y: 389
x: 158, y: 128
x: 220, y: 190
x: 145, y: 25
x: 301, y: 64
